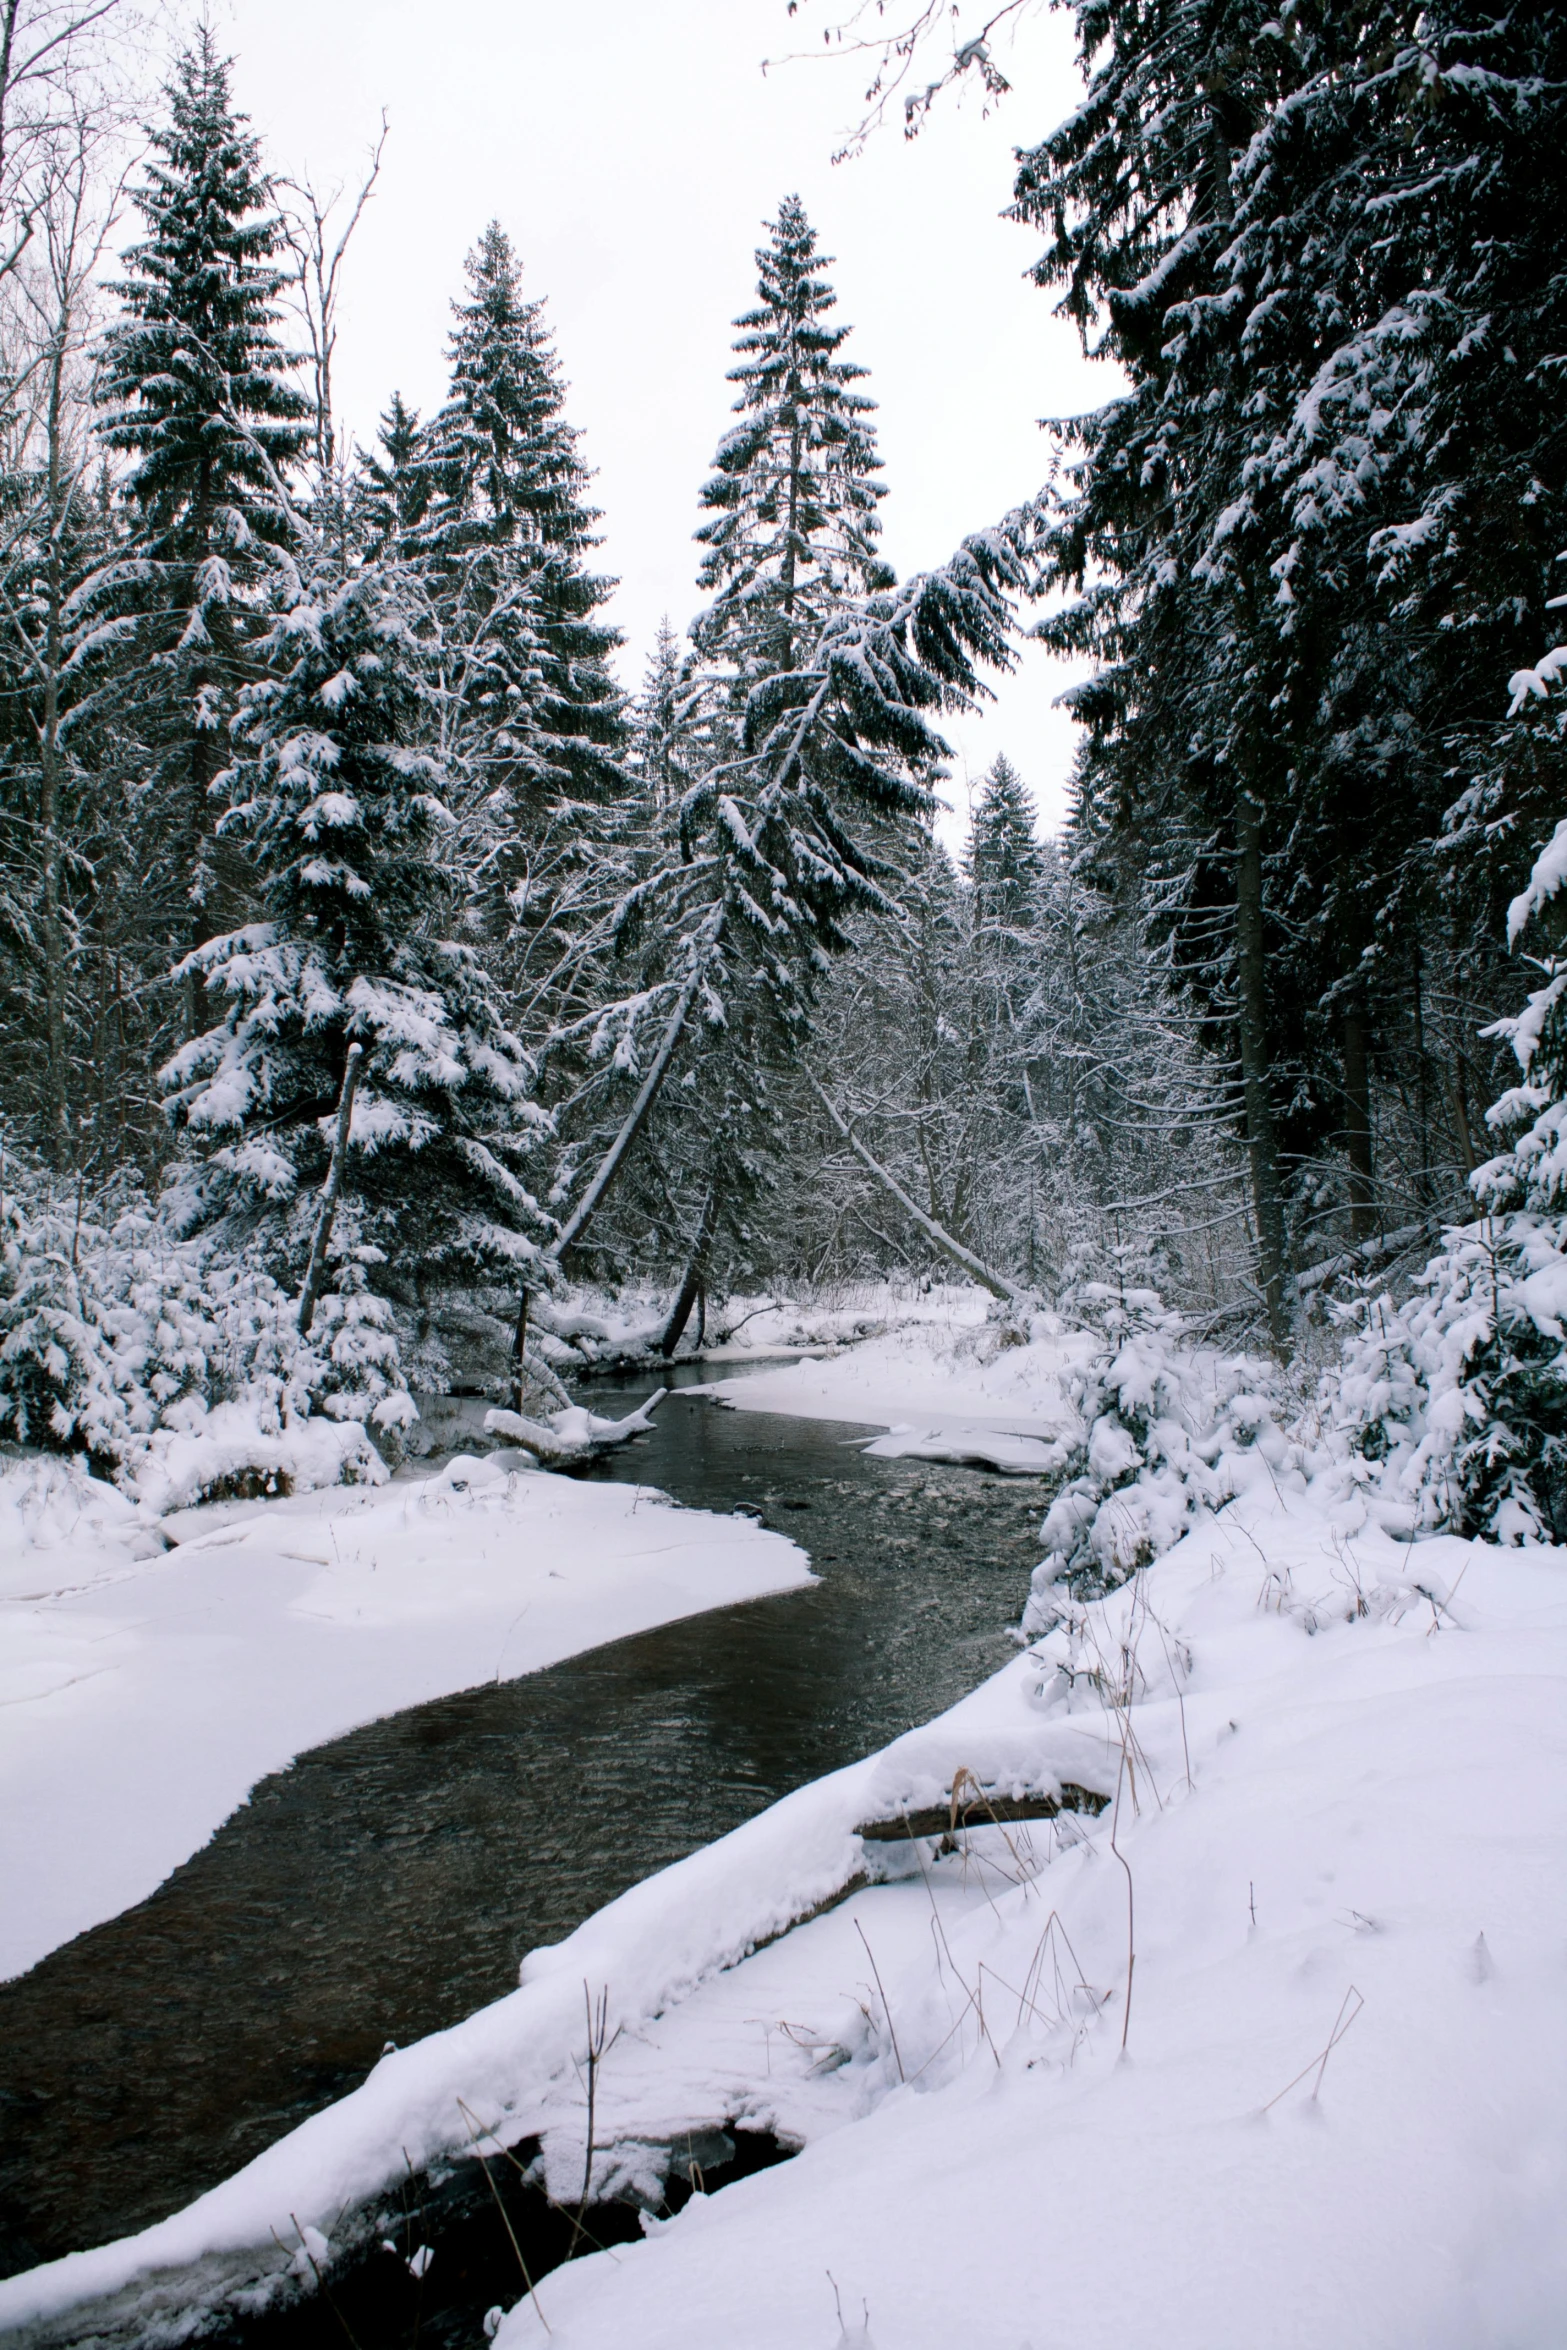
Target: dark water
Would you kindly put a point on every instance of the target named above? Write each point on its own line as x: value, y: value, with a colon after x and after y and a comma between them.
x: 387, y: 1884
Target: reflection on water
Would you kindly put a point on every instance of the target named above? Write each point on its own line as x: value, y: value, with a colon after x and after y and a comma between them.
x: 387, y: 1884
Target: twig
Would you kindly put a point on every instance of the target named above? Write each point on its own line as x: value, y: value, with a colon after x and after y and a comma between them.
x: 1340, y: 2027
x: 533, y: 2296
x: 886, y: 2010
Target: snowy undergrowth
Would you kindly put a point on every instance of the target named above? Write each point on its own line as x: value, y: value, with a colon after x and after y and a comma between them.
x: 175, y: 1372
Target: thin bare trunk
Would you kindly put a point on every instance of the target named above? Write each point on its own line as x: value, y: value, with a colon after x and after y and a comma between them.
x: 315, y: 1271
x: 976, y: 1269
x: 1252, y: 1020
x: 614, y: 1158
x: 1357, y: 1125
x: 696, y: 1266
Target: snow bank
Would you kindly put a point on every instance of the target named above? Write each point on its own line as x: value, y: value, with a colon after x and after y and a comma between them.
x: 1339, y: 2112
x: 1337, y: 1766
x: 1141, y: 1427
x: 274, y: 1626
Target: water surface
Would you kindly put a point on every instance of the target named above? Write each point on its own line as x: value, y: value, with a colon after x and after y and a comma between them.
x: 388, y: 1883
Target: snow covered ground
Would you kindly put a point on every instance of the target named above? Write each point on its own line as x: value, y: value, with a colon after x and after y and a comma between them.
x: 929, y: 1368
x: 1271, y: 2050
x: 145, y: 1690
x: 1338, y: 2115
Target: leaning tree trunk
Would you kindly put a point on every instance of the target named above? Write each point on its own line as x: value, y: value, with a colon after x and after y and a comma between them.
x: 691, y: 1285
x: 1252, y: 1010
x: 975, y: 1267
x: 614, y: 1158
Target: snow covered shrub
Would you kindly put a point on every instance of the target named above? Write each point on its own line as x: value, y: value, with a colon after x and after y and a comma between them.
x: 178, y: 1373
x: 1458, y: 1398
x: 1164, y: 1425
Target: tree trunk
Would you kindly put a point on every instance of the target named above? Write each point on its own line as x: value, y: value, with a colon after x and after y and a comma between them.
x: 691, y: 1284
x: 315, y: 1271
x: 1251, y: 991
x: 1357, y: 1125
x: 1455, y: 1087
x: 58, y: 1117
x: 519, y: 1354
x: 610, y: 1165
x: 971, y: 1264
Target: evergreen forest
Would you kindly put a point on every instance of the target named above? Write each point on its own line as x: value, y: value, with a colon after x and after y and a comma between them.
x: 378, y: 965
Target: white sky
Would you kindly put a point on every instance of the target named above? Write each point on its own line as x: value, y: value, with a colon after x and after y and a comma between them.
x: 632, y: 149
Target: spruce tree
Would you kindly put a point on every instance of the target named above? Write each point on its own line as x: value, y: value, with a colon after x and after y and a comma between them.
x: 390, y: 491
x: 198, y: 399
x: 670, y: 727
x: 793, y: 502
x: 344, y: 810
x: 506, y: 515
x: 1005, y: 863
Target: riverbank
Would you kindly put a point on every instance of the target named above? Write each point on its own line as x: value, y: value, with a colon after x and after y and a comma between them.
x: 146, y: 1689
x: 1261, y: 2032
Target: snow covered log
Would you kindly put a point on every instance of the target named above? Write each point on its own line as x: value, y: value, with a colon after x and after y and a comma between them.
x: 573, y: 1434
x: 980, y: 1810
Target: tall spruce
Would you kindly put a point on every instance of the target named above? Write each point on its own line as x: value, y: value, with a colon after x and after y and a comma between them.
x: 506, y: 512
x: 793, y: 502
x: 344, y: 807
x: 198, y: 398
x: 1312, y: 243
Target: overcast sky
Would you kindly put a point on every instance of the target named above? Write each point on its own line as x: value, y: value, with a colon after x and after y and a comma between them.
x: 632, y: 149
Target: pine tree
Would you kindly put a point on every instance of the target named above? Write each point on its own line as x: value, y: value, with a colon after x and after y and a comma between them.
x: 198, y: 398
x: 390, y: 489
x: 502, y: 479
x: 794, y: 500
x: 344, y: 811
x: 670, y: 733
x: 1314, y: 245
x: 1004, y: 860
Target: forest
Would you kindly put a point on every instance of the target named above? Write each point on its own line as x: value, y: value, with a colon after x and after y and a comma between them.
x: 373, y: 962
x: 759, y: 1554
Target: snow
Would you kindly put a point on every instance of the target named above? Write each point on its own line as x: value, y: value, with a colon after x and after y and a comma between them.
x: 1362, y: 1865
x: 145, y: 1690
x: 929, y: 1371
x: 1271, y: 2050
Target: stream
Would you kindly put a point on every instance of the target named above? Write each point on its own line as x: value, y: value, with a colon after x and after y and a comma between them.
x: 387, y: 1884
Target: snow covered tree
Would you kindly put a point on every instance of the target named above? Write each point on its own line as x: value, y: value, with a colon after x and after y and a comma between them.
x: 343, y: 812
x: 670, y: 723
x: 727, y: 936
x: 503, y: 482
x: 1005, y: 863
x: 794, y: 498
x: 1314, y: 244
x: 389, y: 490
x: 198, y: 399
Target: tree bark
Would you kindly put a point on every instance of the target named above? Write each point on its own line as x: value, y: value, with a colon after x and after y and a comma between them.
x: 1252, y: 1010
x: 315, y: 1271
x: 519, y: 1353
x: 49, y: 765
x: 1357, y: 1125
x: 691, y: 1284
x: 610, y: 1165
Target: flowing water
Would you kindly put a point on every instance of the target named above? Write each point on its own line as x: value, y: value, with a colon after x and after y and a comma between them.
x: 387, y: 1884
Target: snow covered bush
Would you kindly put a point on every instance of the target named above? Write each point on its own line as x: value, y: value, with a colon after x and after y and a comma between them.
x: 1458, y: 1398
x: 1165, y: 1430
x: 179, y: 1374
